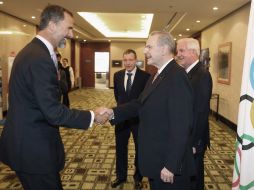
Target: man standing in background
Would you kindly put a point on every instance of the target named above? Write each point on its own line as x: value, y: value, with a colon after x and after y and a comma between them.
x: 70, y: 80
x: 62, y: 80
x: 128, y: 84
x: 188, y: 52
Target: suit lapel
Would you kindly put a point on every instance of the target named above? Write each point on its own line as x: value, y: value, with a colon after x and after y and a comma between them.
x: 151, y: 86
x: 193, y: 70
x: 135, y: 80
x: 121, y: 80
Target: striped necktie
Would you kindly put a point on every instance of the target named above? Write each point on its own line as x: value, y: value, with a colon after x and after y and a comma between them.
x: 53, y: 56
x: 128, y: 85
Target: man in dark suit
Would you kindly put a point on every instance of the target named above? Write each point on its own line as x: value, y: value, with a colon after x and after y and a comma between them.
x: 165, y: 110
x: 62, y: 81
x: 31, y: 143
x: 128, y: 84
x: 188, y: 52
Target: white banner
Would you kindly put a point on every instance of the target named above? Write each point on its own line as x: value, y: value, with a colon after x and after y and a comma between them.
x: 243, y: 178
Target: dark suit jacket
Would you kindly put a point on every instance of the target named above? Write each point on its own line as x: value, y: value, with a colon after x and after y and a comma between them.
x: 30, y: 140
x: 201, y: 82
x: 137, y: 87
x: 165, y: 110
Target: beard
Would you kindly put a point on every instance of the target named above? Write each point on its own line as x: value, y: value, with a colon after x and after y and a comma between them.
x: 62, y: 43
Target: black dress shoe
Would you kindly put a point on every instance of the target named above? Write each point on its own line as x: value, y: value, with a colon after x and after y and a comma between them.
x: 117, y: 182
x: 138, y: 185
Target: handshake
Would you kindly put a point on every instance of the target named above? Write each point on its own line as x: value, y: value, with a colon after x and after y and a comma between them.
x: 102, y: 115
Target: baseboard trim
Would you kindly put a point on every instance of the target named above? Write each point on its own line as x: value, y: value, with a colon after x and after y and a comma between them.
x: 224, y: 120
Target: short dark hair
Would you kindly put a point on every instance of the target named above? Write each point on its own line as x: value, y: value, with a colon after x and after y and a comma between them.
x: 58, y: 55
x: 53, y: 13
x: 128, y: 51
x: 65, y: 59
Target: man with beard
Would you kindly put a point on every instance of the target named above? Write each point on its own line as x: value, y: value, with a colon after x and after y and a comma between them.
x: 31, y: 143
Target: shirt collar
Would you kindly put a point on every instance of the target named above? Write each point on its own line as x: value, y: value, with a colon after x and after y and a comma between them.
x: 47, y: 44
x: 133, y: 71
x: 191, y: 66
x: 161, y: 69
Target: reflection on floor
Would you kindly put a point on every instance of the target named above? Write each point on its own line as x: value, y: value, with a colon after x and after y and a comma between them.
x: 101, y: 81
x: 90, y: 155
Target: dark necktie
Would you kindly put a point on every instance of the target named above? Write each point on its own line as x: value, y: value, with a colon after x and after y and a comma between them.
x: 128, y: 85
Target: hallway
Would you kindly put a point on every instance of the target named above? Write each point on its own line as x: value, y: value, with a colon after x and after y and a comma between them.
x: 90, y: 155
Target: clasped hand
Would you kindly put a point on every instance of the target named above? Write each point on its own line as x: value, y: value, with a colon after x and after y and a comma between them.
x: 102, y: 115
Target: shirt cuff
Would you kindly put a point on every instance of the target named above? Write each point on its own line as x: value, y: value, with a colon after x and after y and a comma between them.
x: 92, y: 118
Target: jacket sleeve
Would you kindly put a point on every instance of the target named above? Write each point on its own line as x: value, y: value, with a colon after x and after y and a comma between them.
x: 45, y: 89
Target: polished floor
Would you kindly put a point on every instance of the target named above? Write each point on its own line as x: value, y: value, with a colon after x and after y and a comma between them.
x: 90, y: 155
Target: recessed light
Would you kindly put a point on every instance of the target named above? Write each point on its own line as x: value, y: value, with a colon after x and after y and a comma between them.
x: 33, y: 17
x: 109, y: 40
x: 1, y: 2
x: 76, y: 36
x: 175, y: 39
x: 198, y: 21
x: 24, y: 25
x: 99, y: 21
x: 180, y: 35
x: 187, y: 29
x: 215, y: 8
x: 84, y: 40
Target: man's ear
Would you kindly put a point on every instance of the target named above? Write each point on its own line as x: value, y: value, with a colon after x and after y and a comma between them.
x: 164, y: 50
x: 51, y: 27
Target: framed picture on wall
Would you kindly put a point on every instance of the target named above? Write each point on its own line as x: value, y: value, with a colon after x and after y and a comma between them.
x: 224, y: 63
x: 116, y: 63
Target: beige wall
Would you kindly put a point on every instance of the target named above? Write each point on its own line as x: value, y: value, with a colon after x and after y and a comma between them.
x: 116, y: 53
x: 11, y: 44
x: 231, y: 29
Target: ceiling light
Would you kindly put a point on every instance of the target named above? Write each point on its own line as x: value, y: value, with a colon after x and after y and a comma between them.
x: 215, y: 8
x: 76, y: 36
x: 33, y: 17
x: 111, y: 28
x: 6, y: 32
x: 187, y: 29
x: 12, y: 32
x: 179, y: 35
x: 175, y: 39
x: 1, y: 2
x: 84, y: 40
x: 24, y: 25
x: 198, y: 21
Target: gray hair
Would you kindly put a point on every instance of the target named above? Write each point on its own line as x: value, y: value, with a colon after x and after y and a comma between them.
x: 165, y: 38
x: 192, y: 44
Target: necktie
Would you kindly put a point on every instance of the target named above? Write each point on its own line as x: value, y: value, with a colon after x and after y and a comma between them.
x: 128, y: 85
x: 53, y: 56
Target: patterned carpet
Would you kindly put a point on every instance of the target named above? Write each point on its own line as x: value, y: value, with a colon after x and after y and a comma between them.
x: 90, y: 155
